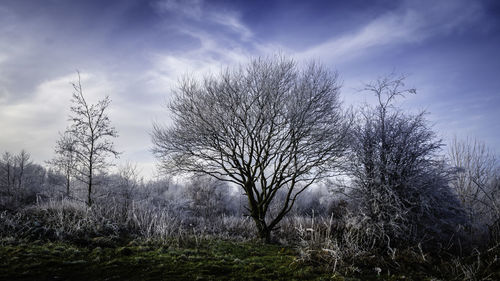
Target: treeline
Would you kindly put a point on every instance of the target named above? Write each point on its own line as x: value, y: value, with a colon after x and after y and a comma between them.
x: 24, y: 183
x: 34, y: 197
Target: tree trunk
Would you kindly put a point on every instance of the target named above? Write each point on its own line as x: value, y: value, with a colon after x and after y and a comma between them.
x: 263, y: 231
x: 89, y: 199
x: 8, y: 178
x: 67, y: 185
x: 265, y: 235
x: 91, y: 164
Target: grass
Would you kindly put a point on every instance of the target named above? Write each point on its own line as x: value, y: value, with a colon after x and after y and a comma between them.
x: 215, y: 260
x: 212, y: 259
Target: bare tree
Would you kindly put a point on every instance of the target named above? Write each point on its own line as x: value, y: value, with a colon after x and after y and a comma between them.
x: 266, y: 126
x: 206, y: 195
x: 65, y: 159
x: 398, y: 180
x: 476, y: 181
x: 23, y: 161
x: 7, y: 179
x: 129, y: 181
x: 22, y: 179
x: 90, y: 131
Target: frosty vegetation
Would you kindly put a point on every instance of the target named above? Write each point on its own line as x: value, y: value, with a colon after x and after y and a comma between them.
x: 268, y: 151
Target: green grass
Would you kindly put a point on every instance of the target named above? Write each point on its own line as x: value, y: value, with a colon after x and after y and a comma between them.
x: 189, y: 260
x: 215, y: 260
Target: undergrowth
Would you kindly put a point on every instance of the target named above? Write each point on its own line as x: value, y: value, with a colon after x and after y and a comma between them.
x: 352, y: 251
x: 67, y: 240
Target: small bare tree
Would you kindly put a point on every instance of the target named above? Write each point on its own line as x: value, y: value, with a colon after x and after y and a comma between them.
x: 129, y: 181
x: 264, y: 127
x: 7, y: 172
x: 476, y: 180
x: 65, y: 159
x: 90, y: 132
x: 23, y: 161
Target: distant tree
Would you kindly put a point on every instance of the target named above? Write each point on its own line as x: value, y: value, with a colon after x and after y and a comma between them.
x: 20, y: 179
x: 129, y: 177
x: 313, y: 202
x: 207, y: 196
x: 264, y: 127
x: 90, y: 132
x: 7, y: 172
x: 398, y: 180
x: 13, y: 170
x: 22, y: 161
x: 124, y: 186
x: 476, y: 182
x: 65, y: 159
x: 34, y: 180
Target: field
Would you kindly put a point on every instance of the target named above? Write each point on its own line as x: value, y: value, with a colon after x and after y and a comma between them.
x: 104, y: 259
x: 217, y: 260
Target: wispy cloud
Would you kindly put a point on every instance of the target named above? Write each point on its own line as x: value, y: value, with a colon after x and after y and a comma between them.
x: 231, y: 20
x: 412, y: 22
x: 198, y: 11
x: 223, y: 40
x: 188, y: 8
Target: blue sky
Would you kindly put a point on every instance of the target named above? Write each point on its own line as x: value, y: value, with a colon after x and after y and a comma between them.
x: 135, y: 51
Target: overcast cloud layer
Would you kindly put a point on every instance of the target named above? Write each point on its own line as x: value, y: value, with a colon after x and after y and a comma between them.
x: 135, y: 51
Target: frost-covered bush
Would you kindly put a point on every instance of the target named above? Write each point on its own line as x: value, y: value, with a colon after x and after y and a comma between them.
x: 399, y: 185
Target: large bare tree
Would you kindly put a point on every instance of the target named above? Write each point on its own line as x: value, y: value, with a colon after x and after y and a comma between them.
x: 90, y: 132
x: 267, y: 126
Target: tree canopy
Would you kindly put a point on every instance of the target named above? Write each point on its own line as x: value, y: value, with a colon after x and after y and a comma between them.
x: 267, y: 126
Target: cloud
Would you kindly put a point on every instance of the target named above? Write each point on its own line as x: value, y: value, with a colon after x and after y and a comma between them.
x: 412, y: 22
x: 206, y: 15
x: 32, y: 123
x: 167, y: 68
x: 218, y: 46
x: 188, y: 8
x: 382, y: 31
x: 232, y: 21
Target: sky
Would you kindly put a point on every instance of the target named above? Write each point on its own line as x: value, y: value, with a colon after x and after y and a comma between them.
x: 136, y: 51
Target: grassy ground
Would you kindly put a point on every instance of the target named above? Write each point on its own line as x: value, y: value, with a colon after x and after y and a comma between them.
x: 216, y: 260
x: 105, y: 259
